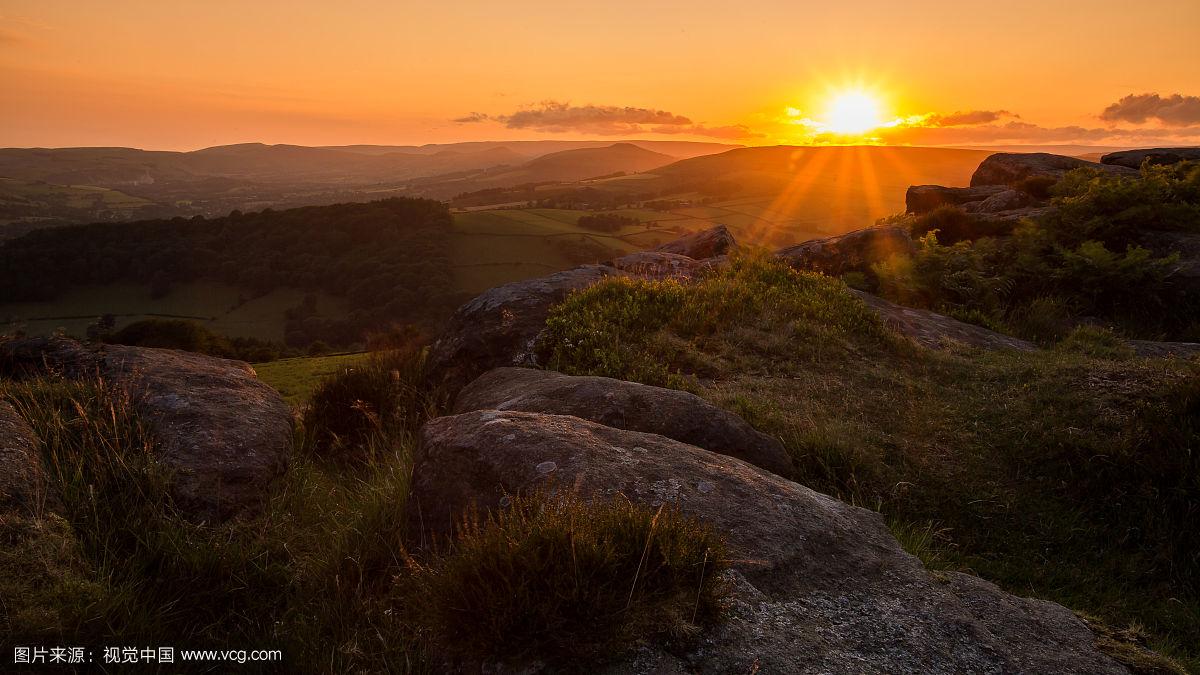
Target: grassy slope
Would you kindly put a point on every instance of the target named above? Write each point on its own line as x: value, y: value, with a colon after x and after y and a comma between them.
x: 1006, y: 465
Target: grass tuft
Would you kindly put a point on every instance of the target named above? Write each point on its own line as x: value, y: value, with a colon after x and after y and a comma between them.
x: 563, y: 578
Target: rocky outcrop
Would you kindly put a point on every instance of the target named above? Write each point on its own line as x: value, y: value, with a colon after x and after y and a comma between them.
x: 674, y: 414
x: 1003, y: 201
x: 938, y: 331
x: 708, y: 243
x: 22, y: 478
x: 1133, y: 158
x: 925, y: 198
x: 1164, y: 350
x: 222, y: 434
x: 818, y: 586
x: 657, y: 265
x: 851, y: 252
x: 500, y: 326
x: 1008, y: 168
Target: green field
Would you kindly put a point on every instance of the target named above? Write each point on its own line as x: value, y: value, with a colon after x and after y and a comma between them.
x: 222, y: 308
x: 296, y: 378
x: 493, y: 247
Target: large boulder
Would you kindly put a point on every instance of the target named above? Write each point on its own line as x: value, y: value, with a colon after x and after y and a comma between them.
x: 925, y: 198
x: 708, y: 243
x: 626, y: 405
x: 657, y: 265
x: 501, y: 325
x: 851, y: 252
x: 818, y: 586
x: 223, y: 435
x: 22, y: 478
x: 938, y: 331
x: 1008, y: 168
x: 1133, y: 158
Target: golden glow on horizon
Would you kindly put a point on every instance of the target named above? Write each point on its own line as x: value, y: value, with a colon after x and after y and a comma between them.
x: 853, y: 112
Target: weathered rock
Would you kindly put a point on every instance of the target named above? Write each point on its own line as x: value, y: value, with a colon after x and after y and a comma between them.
x: 1163, y: 350
x: 924, y: 198
x: 657, y: 265
x: 851, y: 252
x: 708, y: 243
x: 1005, y: 200
x: 626, y: 405
x: 501, y: 325
x: 1007, y: 168
x: 938, y: 331
x: 1134, y: 158
x: 818, y: 586
x: 36, y: 356
x: 22, y: 478
x: 222, y: 433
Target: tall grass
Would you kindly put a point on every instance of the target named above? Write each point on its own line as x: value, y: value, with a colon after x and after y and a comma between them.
x: 567, y: 579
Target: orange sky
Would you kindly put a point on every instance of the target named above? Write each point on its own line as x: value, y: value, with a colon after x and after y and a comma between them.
x: 183, y: 75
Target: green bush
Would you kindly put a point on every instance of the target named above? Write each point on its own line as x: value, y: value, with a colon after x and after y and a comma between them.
x: 1098, y: 206
x: 951, y: 223
x: 1038, y: 187
x: 1085, y: 253
x: 188, y: 336
x: 568, y: 579
x: 359, y: 412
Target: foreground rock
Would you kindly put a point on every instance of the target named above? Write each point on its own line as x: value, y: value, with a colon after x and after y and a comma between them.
x: 500, y: 326
x: 22, y: 478
x: 1009, y: 168
x: 938, y: 331
x: 851, y: 252
x: 1133, y: 158
x: 626, y: 405
x: 222, y: 433
x: 709, y: 243
x: 818, y: 586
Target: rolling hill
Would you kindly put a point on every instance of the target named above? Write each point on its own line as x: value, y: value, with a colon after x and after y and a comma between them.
x: 581, y: 164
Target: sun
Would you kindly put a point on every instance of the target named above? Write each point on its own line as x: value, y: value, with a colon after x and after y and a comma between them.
x: 853, y: 112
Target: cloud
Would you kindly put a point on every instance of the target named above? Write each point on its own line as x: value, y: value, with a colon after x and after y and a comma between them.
x: 965, y: 118
x: 606, y: 120
x: 473, y: 118
x: 552, y: 116
x: 1175, y: 110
